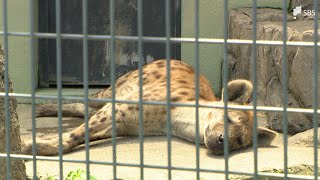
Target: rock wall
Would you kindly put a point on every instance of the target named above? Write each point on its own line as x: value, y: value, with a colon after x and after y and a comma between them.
x: 305, y: 4
x: 269, y: 63
x: 18, y: 170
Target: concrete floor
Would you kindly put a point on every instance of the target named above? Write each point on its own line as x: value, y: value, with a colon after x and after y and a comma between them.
x: 183, y: 154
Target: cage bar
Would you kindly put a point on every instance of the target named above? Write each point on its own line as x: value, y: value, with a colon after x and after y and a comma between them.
x: 224, y: 86
x: 316, y: 88
x: 168, y: 102
x: 254, y: 84
x: 33, y: 87
x: 140, y: 54
x: 86, y: 82
x: 160, y: 39
x: 285, y: 90
x: 197, y: 74
x: 113, y: 82
x: 59, y: 84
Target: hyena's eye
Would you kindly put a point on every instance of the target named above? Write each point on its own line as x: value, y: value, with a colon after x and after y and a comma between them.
x: 229, y: 120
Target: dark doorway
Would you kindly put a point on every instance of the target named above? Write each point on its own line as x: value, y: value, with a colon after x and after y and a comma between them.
x: 98, y: 50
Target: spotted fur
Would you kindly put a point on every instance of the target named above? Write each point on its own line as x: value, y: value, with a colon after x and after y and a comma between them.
x: 182, y: 90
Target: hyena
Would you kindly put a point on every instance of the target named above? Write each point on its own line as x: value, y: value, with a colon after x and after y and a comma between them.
x: 183, y: 120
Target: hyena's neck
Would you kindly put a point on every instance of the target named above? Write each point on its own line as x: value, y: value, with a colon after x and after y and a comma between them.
x: 184, y: 122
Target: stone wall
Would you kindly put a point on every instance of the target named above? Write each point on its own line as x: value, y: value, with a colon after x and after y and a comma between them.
x: 269, y: 63
x: 18, y: 170
x: 305, y: 4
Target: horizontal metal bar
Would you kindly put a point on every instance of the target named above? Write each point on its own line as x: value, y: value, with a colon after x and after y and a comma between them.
x: 236, y: 107
x: 162, y: 39
x: 46, y: 158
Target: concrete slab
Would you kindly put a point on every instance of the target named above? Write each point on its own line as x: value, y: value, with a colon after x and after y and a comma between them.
x: 183, y: 154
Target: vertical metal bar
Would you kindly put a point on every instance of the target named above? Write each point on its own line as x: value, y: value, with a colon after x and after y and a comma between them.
x: 254, y: 82
x: 113, y: 79
x: 59, y: 84
x: 196, y: 52
x: 140, y: 54
x: 6, y: 79
x: 33, y: 85
x: 85, y: 81
x: 316, y: 88
x: 225, y: 92
x: 285, y: 89
x: 168, y: 105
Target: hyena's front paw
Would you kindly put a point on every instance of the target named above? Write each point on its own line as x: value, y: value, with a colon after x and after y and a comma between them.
x: 43, y: 147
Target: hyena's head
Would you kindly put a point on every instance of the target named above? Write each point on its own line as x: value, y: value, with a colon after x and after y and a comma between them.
x: 240, y: 123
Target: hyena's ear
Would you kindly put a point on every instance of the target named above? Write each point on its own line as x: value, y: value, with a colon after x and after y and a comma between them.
x: 239, y: 91
x: 266, y: 136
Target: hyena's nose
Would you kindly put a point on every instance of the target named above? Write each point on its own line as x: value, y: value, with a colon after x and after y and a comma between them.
x: 215, y: 143
x: 220, y: 139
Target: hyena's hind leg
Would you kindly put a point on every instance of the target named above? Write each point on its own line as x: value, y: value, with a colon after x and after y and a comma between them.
x: 73, y: 109
x: 100, y: 127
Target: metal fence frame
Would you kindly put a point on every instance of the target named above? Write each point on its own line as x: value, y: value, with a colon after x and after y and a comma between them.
x: 33, y: 36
